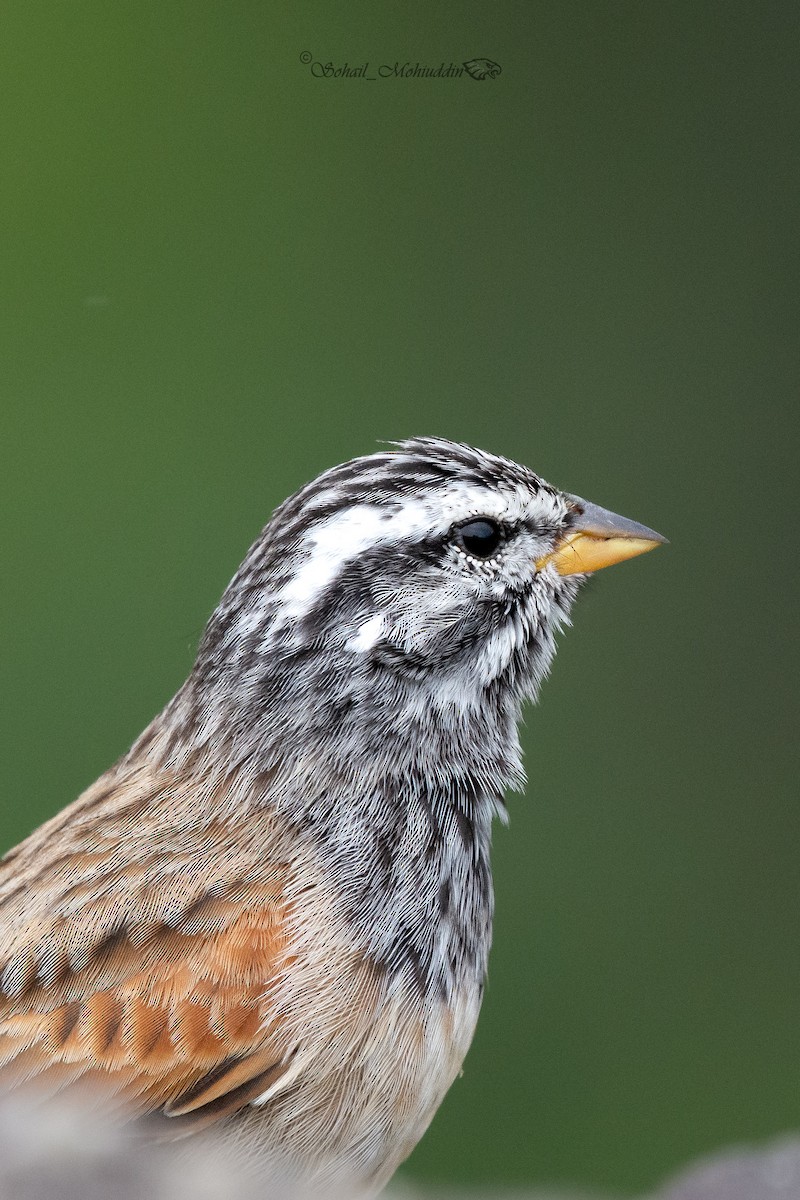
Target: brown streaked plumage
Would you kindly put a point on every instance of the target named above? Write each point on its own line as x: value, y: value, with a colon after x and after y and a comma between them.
x: 150, y: 955
x: 273, y: 915
x: 163, y: 989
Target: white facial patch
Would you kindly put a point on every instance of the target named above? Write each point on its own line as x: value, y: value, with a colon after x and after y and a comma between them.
x: 338, y: 539
x: 368, y: 635
x: 341, y: 538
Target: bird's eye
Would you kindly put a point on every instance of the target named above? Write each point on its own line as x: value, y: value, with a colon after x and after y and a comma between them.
x: 479, y: 538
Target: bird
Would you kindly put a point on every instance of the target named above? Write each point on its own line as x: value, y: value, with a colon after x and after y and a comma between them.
x: 272, y: 916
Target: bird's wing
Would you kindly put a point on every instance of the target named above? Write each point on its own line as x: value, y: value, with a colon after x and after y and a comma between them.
x: 137, y: 952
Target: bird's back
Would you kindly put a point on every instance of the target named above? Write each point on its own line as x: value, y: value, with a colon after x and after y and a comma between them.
x: 201, y: 971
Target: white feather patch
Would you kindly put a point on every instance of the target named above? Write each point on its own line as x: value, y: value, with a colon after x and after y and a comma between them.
x: 368, y: 635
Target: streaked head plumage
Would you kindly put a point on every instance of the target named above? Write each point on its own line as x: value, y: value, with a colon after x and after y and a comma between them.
x: 380, y: 561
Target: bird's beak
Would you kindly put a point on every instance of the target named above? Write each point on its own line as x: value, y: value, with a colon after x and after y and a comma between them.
x: 598, y: 538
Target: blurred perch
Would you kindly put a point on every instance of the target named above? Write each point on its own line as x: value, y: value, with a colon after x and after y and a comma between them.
x: 771, y: 1172
x: 60, y: 1151
x: 64, y: 1152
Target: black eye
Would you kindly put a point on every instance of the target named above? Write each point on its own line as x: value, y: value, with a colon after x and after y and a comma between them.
x: 479, y: 538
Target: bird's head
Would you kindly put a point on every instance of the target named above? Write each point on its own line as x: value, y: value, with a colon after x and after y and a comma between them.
x: 430, y: 578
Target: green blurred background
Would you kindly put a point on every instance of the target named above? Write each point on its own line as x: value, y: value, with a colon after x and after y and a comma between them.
x: 221, y: 274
